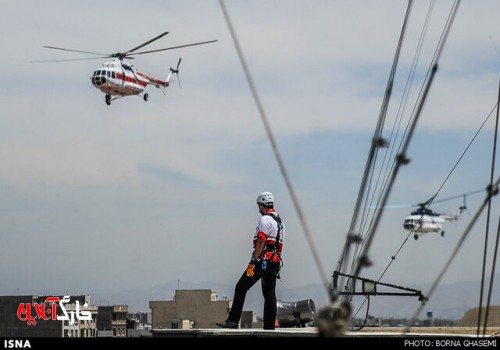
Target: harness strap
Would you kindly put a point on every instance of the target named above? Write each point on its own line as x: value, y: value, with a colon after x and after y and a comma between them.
x: 275, y: 247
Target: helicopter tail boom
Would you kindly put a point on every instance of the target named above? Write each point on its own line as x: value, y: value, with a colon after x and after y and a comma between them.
x: 155, y: 81
x: 456, y: 216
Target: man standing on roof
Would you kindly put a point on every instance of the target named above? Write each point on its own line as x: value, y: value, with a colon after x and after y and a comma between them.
x: 264, y: 265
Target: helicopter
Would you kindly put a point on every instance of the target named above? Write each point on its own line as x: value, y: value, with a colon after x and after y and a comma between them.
x: 118, y: 78
x: 424, y: 220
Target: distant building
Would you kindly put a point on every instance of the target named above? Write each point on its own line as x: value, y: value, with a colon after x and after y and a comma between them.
x: 80, y: 328
x: 40, y: 316
x: 143, y: 318
x: 139, y: 324
x: 112, y: 321
x: 197, y: 308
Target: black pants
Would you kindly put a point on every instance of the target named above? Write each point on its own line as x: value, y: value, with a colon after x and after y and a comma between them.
x: 268, y: 282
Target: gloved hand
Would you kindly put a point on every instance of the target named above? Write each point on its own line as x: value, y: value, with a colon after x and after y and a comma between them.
x: 250, y: 268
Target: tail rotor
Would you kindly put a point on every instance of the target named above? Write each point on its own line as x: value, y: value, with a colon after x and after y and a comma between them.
x: 176, y: 72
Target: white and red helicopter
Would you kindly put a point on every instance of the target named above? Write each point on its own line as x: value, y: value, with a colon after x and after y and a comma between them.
x: 118, y: 78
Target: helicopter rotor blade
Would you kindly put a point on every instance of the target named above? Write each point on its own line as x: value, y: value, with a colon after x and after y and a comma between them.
x: 144, y: 44
x: 100, y: 55
x: 460, y: 195
x: 177, y: 72
x: 72, y: 59
x: 72, y: 50
x: 431, y: 200
x: 171, y: 48
x: 390, y: 206
x: 121, y: 55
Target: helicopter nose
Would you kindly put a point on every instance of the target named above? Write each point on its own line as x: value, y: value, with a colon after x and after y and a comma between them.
x: 98, y: 80
x: 409, y: 224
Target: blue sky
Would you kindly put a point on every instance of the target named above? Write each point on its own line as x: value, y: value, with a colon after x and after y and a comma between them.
x: 102, y: 198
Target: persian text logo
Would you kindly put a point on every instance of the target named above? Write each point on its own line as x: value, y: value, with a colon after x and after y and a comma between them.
x: 48, y: 311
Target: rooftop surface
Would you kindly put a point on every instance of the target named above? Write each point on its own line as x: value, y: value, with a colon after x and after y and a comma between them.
x: 312, y: 332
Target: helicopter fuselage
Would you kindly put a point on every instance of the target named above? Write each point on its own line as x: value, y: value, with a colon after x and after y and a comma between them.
x: 423, y: 223
x: 120, y: 78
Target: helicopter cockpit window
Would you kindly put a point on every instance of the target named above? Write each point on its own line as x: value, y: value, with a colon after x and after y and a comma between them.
x: 108, y: 73
x: 113, y: 75
x: 99, y: 77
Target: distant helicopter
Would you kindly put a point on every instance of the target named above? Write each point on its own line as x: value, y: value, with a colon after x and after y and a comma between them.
x: 424, y: 220
x: 117, y: 78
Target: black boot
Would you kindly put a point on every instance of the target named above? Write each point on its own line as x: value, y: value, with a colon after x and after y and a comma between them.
x: 227, y: 324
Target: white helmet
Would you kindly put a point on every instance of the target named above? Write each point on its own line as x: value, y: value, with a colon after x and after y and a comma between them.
x: 265, y: 198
